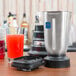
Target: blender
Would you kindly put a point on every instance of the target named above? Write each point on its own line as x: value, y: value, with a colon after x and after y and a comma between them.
x: 56, y: 35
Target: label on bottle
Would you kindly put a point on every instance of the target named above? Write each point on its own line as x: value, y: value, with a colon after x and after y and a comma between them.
x: 39, y: 43
x: 48, y: 25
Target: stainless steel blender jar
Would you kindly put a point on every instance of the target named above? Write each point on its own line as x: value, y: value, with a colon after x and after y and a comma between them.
x: 56, y: 35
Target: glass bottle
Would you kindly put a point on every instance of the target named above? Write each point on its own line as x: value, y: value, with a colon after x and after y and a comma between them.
x: 14, y: 25
x: 25, y: 27
x: 10, y: 19
x: 2, y: 42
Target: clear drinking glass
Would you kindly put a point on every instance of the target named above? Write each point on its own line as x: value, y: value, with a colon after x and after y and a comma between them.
x: 15, y: 43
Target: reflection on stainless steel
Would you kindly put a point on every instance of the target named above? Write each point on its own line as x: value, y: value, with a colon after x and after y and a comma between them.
x: 56, y: 36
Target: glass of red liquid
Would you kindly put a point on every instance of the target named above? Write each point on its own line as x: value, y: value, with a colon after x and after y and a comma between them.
x: 15, y: 43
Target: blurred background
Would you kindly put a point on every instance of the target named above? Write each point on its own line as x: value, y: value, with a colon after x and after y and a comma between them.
x: 31, y: 7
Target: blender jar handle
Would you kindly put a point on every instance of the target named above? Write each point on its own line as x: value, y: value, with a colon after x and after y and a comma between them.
x: 54, y: 34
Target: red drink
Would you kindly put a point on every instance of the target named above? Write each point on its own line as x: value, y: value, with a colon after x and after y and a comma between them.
x: 15, y: 45
x: 2, y: 49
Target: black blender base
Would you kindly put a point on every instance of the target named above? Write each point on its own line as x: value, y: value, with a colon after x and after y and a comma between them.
x: 57, y: 62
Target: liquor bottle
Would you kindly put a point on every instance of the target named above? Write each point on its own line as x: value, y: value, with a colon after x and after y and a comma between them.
x: 2, y: 42
x: 5, y: 26
x: 10, y: 19
x: 25, y: 27
x: 36, y: 20
x: 14, y: 25
x: 38, y: 46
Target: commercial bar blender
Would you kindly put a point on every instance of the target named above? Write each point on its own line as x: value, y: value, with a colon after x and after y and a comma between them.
x: 56, y: 35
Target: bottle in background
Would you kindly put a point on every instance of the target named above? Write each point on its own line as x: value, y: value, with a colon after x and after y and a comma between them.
x: 2, y: 42
x: 14, y: 25
x: 5, y: 25
x: 25, y: 27
x: 36, y: 20
x: 10, y: 19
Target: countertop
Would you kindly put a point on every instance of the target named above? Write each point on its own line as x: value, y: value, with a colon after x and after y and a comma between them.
x: 7, y: 70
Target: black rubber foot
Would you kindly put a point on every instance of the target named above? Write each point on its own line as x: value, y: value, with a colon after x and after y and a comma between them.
x: 57, y: 62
